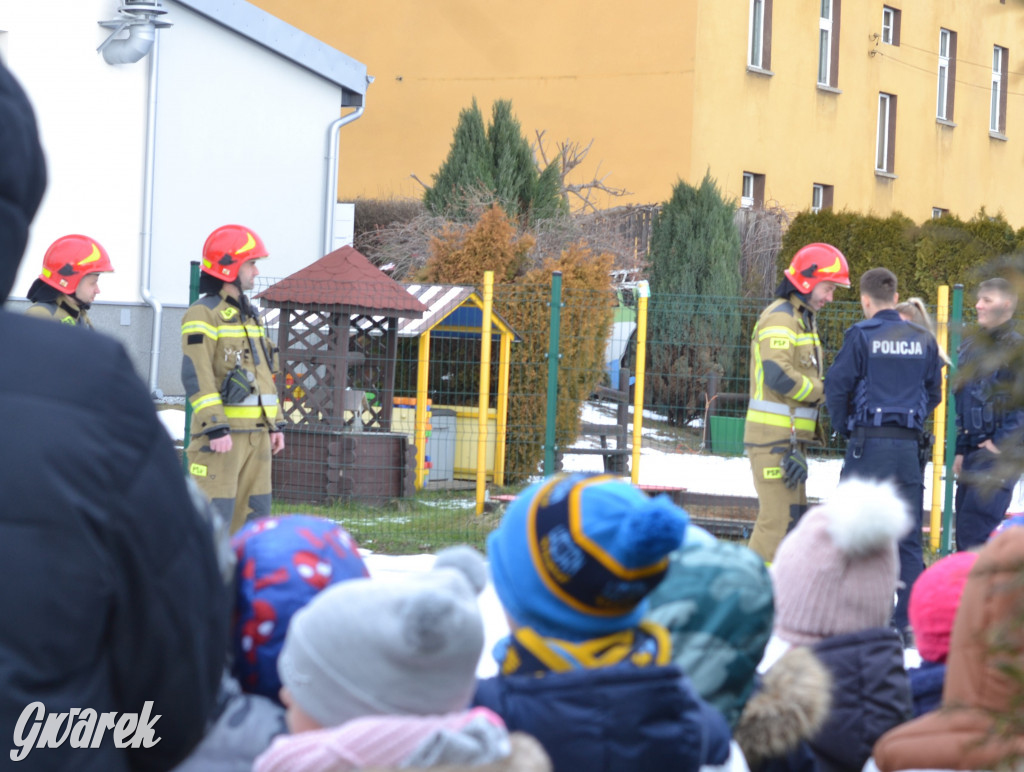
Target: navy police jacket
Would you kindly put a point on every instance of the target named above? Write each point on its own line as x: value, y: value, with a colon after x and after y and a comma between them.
x: 888, y: 373
x: 983, y: 406
x: 618, y: 717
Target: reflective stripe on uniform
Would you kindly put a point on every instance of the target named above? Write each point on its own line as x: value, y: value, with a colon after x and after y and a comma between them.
x: 758, y: 375
x: 805, y: 389
x: 256, y: 399
x: 204, y: 401
x: 777, y: 407
x: 247, y: 411
x: 240, y: 331
x: 201, y: 327
x: 774, y: 419
x: 223, y: 331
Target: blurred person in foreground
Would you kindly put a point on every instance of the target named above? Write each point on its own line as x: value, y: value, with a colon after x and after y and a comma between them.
x: 835, y: 575
x: 114, y: 608
x: 978, y: 724
x: 573, y: 561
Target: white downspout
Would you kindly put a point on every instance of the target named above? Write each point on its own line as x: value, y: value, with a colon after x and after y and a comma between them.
x: 147, y: 219
x: 331, y: 196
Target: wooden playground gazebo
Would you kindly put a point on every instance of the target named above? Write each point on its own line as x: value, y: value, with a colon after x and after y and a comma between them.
x: 337, y: 334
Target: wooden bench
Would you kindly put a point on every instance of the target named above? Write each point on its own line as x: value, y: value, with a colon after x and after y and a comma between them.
x: 616, y: 458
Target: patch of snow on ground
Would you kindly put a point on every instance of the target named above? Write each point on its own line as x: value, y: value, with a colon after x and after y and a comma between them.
x: 174, y: 422
x: 706, y: 473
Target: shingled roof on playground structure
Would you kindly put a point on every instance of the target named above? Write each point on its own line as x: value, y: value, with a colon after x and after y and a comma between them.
x: 345, y: 279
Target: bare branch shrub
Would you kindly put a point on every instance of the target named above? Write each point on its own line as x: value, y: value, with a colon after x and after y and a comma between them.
x: 761, y: 239
x: 580, y: 196
x: 621, y: 232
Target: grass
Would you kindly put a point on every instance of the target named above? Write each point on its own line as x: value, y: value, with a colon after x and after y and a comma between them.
x: 434, y: 519
x: 426, y: 523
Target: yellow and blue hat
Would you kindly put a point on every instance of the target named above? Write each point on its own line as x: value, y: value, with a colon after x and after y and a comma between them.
x: 575, y: 556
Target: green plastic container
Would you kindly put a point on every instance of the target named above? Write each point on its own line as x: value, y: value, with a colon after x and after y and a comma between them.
x: 727, y: 435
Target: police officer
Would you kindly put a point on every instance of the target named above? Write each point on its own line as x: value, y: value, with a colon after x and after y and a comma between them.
x: 786, y: 389
x: 885, y: 381
x: 69, y: 283
x: 986, y: 422
x: 228, y: 373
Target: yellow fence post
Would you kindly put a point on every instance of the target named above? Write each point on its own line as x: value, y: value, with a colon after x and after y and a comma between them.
x: 485, y: 390
x: 939, y: 422
x: 501, y: 424
x: 422, y: 370
x: 644, y: 292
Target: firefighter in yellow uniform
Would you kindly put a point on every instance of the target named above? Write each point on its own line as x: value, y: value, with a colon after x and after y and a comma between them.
x: 69, y: 283
x: 786, y: 388
x: 227, y: 370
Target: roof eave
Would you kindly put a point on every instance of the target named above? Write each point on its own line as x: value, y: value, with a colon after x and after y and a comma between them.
x: 289, y: 42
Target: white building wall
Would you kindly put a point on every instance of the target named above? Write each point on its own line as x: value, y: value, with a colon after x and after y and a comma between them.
x: 241, y: 138
x: 92, y: 120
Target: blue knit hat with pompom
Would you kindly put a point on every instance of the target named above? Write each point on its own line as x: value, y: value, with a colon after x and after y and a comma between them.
x: 575, y: 556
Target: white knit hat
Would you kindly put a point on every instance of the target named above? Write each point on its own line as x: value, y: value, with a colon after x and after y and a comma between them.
x: 837, y: 571
x: 372, y: 647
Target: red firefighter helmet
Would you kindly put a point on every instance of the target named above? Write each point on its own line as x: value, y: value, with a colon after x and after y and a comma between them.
x: 70, y: 258
x: 227, y: 248
x: 816, y: 263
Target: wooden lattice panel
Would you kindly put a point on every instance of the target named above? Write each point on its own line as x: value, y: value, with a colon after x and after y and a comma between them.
x: 325, y: 352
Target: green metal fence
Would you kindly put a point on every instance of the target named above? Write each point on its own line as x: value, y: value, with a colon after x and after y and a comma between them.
x: 361, y: 449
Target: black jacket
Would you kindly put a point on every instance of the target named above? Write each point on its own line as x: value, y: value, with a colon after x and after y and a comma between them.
x: 111, y: 592
x: 611, y: 718
x: 870, y: 696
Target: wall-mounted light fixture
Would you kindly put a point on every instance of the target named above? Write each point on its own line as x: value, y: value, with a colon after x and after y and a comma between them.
x: 141, y: 19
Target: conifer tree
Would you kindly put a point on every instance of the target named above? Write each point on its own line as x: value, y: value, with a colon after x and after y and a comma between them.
x: 695, y: 252
x: 467, y: 173
x: 494, y: 165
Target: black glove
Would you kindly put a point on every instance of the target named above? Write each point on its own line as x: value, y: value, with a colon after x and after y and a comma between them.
x: 924, y: 448
x: 237, y: 386
x: 794, y: 468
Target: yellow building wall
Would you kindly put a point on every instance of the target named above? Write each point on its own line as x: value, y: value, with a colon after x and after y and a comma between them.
x: 601, y: 70
x: 663, y: 90
x: 785, y: 127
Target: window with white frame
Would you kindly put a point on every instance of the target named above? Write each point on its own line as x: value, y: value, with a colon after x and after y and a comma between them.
x: 821, y: 197
x: 947, y: 75
x: 890, y: 25
x: 760, y: 50
x: 938, y: 212
x: 753, y: 191
x: 885, y: 141
x: 828, y: 43
x: 747, y: 197
x: 997, y: 108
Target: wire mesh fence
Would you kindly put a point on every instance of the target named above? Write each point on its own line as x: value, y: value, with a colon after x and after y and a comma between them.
x: 394, y: 414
